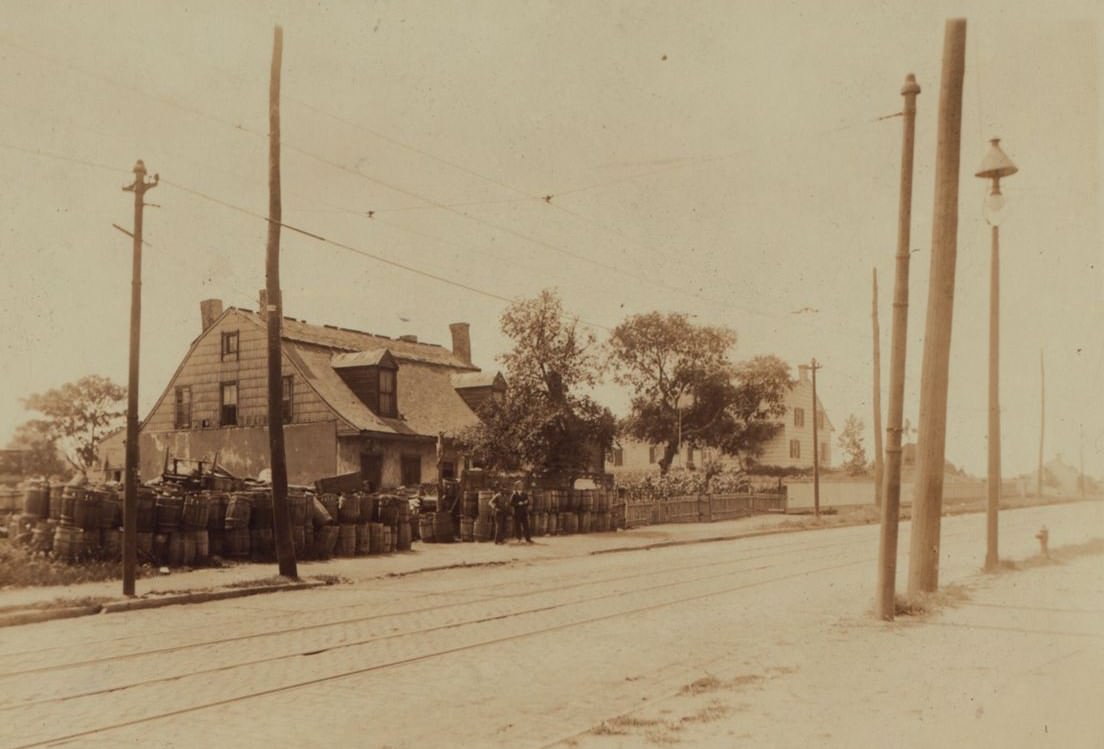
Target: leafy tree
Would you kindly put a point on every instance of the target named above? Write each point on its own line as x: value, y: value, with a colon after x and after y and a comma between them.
x: 850, y: 441
x: 684, y: 389
x: 543, y: 423
x: 42, y: 456
x: 77, y: 415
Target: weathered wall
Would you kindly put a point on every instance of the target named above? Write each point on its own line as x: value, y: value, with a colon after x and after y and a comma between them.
x: 310, y: 448
x: 350, y: 448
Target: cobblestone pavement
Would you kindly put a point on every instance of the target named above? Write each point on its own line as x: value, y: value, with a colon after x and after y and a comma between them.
x: 535, y: 652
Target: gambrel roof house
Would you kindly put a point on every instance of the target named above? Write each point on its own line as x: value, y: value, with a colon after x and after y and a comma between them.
x: 353, y: 401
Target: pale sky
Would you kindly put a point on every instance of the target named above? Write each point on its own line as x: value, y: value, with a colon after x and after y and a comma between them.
x: 723, y: 159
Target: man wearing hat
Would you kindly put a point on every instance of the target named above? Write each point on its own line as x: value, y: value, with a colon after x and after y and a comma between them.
x: 519, y: 501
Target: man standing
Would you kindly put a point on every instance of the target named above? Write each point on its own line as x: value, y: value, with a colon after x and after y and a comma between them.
x: 519, y: 501
x: 499, y: 511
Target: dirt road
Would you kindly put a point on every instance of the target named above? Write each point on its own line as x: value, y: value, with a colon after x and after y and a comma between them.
x: 757, y: 642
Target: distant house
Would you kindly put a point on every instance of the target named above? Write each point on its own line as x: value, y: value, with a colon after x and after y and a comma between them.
x: 352, y: 401
x: 792, y: 447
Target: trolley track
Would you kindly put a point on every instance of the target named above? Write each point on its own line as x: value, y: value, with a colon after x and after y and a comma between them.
x: 416, y: 657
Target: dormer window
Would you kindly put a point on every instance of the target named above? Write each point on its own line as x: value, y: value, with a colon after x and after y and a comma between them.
x: 373, y: 378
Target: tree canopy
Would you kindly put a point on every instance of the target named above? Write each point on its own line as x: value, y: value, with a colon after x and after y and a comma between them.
x: 851, y: 443
x: 685, y: 389
x: 76, y: 416
x: 543, y: 423
x: 42, y: 456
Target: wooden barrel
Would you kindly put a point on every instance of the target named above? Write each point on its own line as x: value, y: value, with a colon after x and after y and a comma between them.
x: 569, y: 522
x: 145, y: 546
x: 146, y: 510
x: 216, y: 511
x: 388, y: 540
x: 235, y: 542
x: 193, y: 515
x: 332, y: 504
x: 262, y: 544
x: 369, y: 508
x: 485, y: 496
x: 86, y: 512
x: 375, y: 538
x: 470, y: 506
x: 160, y: 548
x: 362, y: 546
x: 202, y: 542
x: 239, y: 510
x: 308, y: 540
x: 325, y: 539
x: 169, y: 509
x: 586, y: 520
x: 425, y: 527
x: 111, y: 509
x: 9, y: 498
x: 176, y: 549
x: 299, y: 541
x: 297, y: 508
x: 36, y: 499
x: 348, y: 511
x: 346, y: 540
x: 552, y: 524
x: 467, y: 529
x: 215, y: 541
x: 538, y: 523
x: 553, y: 500
x: 320, y: 516
x: 68, y: 542
x: 442, y: 527
x: 63, y: 504
x: 482, y: 529
x: 189, y: 548
x: 112, y: 543
x: 261, y: 516
x: 404, y: 536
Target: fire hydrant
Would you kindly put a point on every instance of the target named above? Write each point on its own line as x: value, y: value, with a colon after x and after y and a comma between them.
x: 1043, y: 536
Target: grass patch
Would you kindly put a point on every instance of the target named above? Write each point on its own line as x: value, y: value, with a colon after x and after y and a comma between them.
x: 713, y: 711
x: 704, y: 684
x: 928, y: 603
x: 24, y: 568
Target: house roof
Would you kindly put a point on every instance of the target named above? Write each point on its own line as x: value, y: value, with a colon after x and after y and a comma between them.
x: 462, y: 380
x: 354, y: 340
x: 359, y: 359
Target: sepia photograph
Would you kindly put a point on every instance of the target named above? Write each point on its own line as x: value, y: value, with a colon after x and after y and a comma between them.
x: 551, y: 374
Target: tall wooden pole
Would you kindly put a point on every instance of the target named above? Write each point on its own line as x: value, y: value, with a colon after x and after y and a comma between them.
x: 928, y: 497
x: 891, y: 497
x: 879, y: 465
x: 1042, y: 424
x: 816, y: 446
x: 992, y: 507
x: 285, y: 550
x: 130, y: 479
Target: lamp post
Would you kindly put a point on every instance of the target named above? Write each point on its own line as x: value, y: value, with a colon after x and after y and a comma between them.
x: 995, y: 165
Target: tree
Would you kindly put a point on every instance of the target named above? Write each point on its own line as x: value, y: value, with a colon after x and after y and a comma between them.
x: 851, y: 443
x: 684, y: 389
x: 77, y: 415
x: 42, y: 456
x: 543, y: 423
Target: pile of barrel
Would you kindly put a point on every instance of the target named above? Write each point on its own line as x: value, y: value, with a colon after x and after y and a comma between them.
x: 551, y: 512
x: 183, y: 528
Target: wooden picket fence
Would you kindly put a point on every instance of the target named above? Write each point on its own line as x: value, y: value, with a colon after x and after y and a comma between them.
x: 700, y: 508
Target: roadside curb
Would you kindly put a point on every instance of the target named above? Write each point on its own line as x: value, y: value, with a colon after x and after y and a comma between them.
x: 35, y: 616
x: 715, y: 539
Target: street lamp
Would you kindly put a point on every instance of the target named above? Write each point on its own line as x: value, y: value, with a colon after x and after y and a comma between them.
x: 995, y: 165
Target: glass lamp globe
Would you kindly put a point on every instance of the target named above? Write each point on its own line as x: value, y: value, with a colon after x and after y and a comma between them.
x: 995, y: 207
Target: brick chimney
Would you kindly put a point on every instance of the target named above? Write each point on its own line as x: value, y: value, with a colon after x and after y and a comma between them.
x: 209, y: 311
x: 803, y: 373
x: 461, y: 341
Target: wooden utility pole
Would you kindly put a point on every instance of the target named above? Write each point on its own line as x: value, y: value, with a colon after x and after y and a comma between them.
x: 993, y: 473
x: 274, y: 315
x: 891, y: 497
x: 1042, y: 424
x: 928, y: 497
x: 878, y: 464
x: 130, y: 496
x: 816, y: 446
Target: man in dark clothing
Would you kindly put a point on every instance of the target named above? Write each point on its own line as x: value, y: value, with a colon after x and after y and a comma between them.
x: 500, y: 510
x: 519, y: 501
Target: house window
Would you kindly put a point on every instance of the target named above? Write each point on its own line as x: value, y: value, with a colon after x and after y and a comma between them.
x: 448, y: 469
x: 230, y: 345
x: 183, y: 419
x: 823, y: 455
x: 795, y: 449
x: 820, y: 419
x: 411, y: 470
x: 651, y: 453
x: 387, y: 393
x: 618, y: 456
x: 228, y: 404
x: 799, y: 417
x: 285, y: 402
